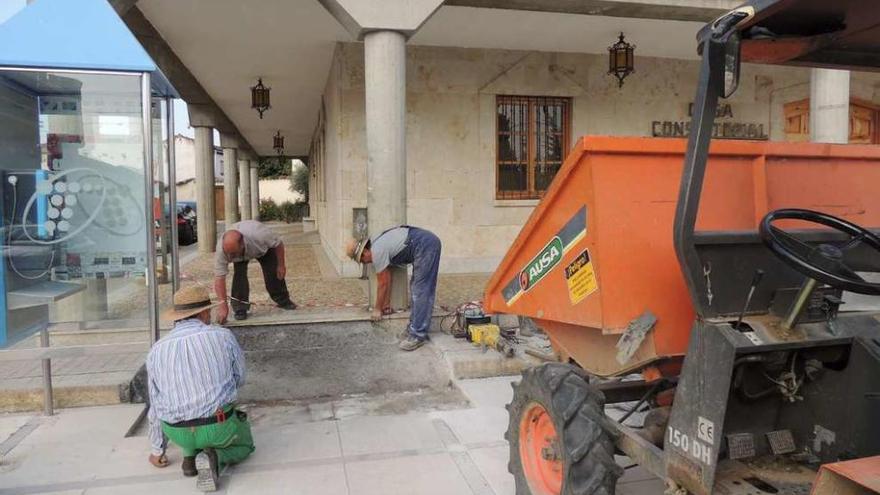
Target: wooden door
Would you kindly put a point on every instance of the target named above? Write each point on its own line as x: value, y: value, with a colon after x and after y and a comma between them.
x: 797, y: 121
x: 862, y: 124
x: 864, y: 118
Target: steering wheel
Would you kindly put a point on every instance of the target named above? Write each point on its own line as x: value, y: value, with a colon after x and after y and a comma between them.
x: 824, y: 262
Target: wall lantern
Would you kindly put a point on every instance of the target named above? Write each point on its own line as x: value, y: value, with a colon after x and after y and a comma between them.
x: 278, y: 146
x: 260, y: 97
x: 621, y: 60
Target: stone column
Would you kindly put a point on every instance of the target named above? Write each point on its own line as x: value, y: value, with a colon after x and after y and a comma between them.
x: 829, y: 106
x: 385, y: 86
x: 230, y: 186
x: 255, y: 190
x: 244, y: 174
x: 205, y: 218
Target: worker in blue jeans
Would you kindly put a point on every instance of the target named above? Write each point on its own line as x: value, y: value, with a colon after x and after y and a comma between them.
x: 401, y: 246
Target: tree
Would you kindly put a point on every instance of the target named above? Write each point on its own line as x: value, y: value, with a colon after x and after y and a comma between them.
x: 299, y: 181
x: 271, y: 167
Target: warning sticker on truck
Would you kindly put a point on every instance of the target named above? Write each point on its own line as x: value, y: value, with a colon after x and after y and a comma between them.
x: 581, y: 277
x: 548, y: 258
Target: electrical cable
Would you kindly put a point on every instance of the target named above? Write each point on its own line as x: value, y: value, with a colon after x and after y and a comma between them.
x: 653, y: 390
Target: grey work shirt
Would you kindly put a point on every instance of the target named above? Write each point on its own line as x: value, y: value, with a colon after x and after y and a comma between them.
x: 257, y: 240
x: 386, y: 246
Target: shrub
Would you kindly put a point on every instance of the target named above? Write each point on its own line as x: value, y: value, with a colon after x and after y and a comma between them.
x: 269, y: 210
x: 291, y: 212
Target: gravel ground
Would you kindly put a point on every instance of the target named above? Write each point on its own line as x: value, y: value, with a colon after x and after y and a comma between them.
x: 308, y: 288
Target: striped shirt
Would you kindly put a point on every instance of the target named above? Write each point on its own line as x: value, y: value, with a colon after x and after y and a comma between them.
x: 192, y: 371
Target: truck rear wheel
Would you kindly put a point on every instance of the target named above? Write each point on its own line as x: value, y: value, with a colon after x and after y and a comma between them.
x: 560, y: 440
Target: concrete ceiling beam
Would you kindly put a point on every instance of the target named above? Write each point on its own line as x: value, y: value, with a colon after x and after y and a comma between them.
x: 122, y: 6
x: 203, y: 110
x: 231, y: 141
x: 677, y: 10
x: 360, y: 17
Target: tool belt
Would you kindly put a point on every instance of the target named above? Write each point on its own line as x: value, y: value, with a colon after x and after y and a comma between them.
x: 218, y: 417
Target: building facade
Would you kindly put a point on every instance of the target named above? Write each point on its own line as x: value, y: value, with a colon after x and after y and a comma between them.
x: 486, y: 130
x: 454, y: 115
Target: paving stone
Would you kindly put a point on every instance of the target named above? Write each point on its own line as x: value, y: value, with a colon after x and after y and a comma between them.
x: 307, y: 441
x: 312, y: 480
x: 492, y: 462
x: 480, y: 425
x: 416, y: 475
x: 58, y: 446
x: 474, y: 363
x: 489, y: 392
x: 382, y: 434
x: 181, y: 485
x: 128, y: 457
x: 10, y: 424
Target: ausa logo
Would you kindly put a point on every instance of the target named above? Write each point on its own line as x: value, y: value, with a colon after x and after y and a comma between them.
x: 541, y: 264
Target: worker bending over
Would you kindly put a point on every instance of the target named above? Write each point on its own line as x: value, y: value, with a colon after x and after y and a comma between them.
x: 194, y: 374
x: 401, y: 246
x: 242, y: 242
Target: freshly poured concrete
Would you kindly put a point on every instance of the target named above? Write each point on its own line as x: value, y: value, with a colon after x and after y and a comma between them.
x: 330, y: 360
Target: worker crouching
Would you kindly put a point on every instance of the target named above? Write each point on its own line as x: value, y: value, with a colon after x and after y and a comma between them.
x: 401, y: 246
x: 194, y: 374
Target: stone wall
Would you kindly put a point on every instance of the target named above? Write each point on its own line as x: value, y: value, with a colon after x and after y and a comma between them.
x: 451, y: 132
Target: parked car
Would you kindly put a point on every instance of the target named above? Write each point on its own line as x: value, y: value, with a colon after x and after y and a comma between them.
x: 186, y: 222
x: 187, y: 231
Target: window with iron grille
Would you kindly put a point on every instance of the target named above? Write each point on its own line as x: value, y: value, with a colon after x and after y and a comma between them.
x: 533, y: 140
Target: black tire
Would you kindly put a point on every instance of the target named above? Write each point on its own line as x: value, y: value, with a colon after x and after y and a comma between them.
x: 586, y: 438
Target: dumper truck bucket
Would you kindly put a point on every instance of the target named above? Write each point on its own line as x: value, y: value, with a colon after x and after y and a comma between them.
x: 595, y: 265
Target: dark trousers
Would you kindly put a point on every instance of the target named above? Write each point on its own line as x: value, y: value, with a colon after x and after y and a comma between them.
x: 241, y: 289
x: 423, y: 252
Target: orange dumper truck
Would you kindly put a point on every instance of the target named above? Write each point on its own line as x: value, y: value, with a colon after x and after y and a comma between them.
x: 738, y: 279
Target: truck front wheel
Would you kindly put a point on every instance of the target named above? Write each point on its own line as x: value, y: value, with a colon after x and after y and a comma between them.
x: 561, y: 443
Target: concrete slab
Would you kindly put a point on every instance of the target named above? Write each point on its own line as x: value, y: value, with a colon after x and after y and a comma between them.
x: 492, y: 462
x: 10, y: 424
x: 468, y: 361
x: 127, y: 455
x: 312, y: 480
x: 479, y: 426
x: 302, y: 448
x: 308, y: 441
x: 57, y: 445
x: 383, y: 434
x: 181, y: 485
x: 79, y: 491
x: 489, y: 392
x: 433, y: 474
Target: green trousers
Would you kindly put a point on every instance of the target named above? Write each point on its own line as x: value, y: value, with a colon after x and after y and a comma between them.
x: 231, y: 439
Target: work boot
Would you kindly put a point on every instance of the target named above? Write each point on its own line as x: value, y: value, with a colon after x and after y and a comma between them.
x: 189, y: 466
x: 411, y: 343
x: 240, y: 315
x: 288, y: 305
x: 208, y: 471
